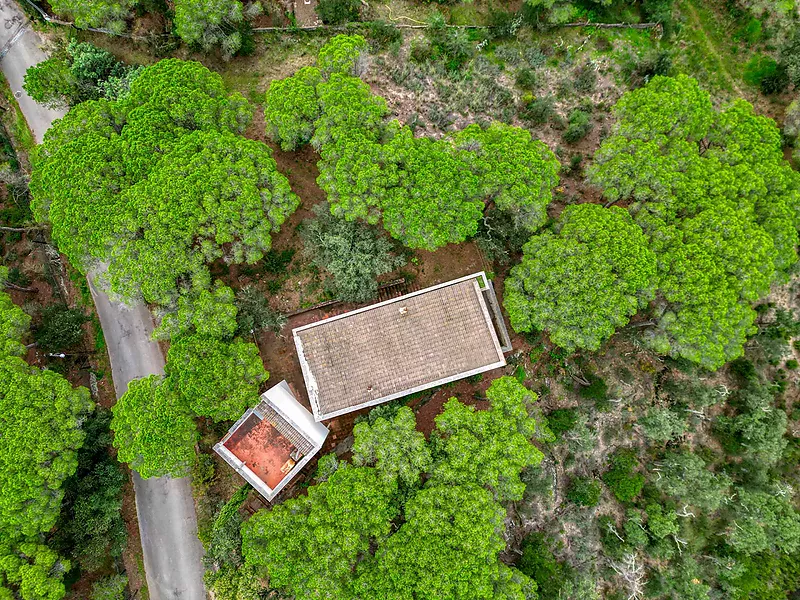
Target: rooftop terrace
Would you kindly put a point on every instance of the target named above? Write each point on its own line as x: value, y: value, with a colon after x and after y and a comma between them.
x: 273, y: 441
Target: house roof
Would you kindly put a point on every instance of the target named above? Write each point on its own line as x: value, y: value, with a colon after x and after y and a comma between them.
x: 273, y: 441
x: 398, y: 347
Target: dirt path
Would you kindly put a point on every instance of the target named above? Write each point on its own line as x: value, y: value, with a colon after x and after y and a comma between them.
x: 712, y: 50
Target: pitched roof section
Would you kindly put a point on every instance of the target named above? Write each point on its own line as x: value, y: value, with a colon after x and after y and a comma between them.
x: 398, y: 347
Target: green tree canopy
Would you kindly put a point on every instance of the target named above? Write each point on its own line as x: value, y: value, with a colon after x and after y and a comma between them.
x: 686, y: 476
x: 109, y: 14
x: 394, y: 447
x: 216, y: 379
x: 721, y: 207
x: 309, y: 545
x: 40, y: 434
x: 153, y: 429
x: 764, y: 520
x: 425, y: 194
x: 346, y: 103
x: 14, y: 323
x: 584, y: 282
x: 517, y: 173
x: 208, y: 312
x: 83, y: 72
x: 488, y: 448
x: 291, y: 108
x: 33, y: 569
x: 343, y: 54
x: 158, y: 183
x: 447, y: 549
x: 215, y: 194
x: 355, y: 254
x: 209, y: 24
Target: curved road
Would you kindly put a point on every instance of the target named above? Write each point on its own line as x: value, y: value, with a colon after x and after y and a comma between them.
x: 167, y: 520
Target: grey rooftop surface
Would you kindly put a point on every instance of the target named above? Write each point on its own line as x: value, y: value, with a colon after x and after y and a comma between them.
x: 398, y: 347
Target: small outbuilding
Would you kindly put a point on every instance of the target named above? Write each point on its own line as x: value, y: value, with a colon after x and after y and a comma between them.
x: 401, y: 346
x: 272, y: 442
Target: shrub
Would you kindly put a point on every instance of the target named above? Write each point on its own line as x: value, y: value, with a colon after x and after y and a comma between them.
x: 585, y: 79
x: 109, y: 588
x: 336, y: 12
x: 662, y: 424
x: 526, y: 79
x: 621, y: 479
x: 562, y: 420
x: 355, y: 254
x: 254, y: 312
x: 537, y: 110
x: 580, y: 124
x: 421, y: 51
x: 500, y: 236
x: 597, y: 389
x: 791, y: 364
x: 453, y: 46
x: 584, y: 491
x: 539, y: 563
x: 383, y: 34
x: 765, y: 73
x: 61, y: 328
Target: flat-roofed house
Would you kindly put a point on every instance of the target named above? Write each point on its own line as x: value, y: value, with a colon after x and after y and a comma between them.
x: 401, y: 346
x: 272, y: 441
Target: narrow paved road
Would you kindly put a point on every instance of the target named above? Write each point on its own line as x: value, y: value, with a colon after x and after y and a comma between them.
x: 167, y: 520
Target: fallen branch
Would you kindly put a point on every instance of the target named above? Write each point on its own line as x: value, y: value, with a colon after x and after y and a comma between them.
x: 18, y: 288
x: 23, y: 229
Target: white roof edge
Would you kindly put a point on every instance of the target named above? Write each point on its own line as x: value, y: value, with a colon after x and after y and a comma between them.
x: 414, y: 390
x: 390, y: 301
x: 280, y: 397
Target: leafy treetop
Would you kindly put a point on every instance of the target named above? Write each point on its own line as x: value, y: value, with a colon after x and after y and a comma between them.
x: 216, y: 379
x: 153, y: 429
x: 488, y: 448
x: 584, y: 282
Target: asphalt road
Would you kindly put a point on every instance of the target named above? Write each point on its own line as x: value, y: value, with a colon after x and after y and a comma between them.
x: 167, y: 520
x: 20, y: 48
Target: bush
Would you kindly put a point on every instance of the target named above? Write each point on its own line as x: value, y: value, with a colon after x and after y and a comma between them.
x: 662, y: 424
x: 61, y: 328
x: 584, y: 491
x: 562, y: 420
x: 621, y: 479
x: 80, y: 74
x: 353, y: 253
x: 585, y: 79
x: 765, y: 73
x: 337, y: 12
x: 526, y: 79
x: 453, y: 46
x: 383, y: 34
x: 109, y: 588
x: 421, y: 51
x: 580, y: 124
x: 500, y: 237
x: 537, y: 110
x: 254, y: 312
x: 597, y: 389
x: 539, y: 563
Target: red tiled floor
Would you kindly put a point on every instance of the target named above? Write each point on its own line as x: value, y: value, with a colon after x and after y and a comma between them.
x: 262, y: 448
